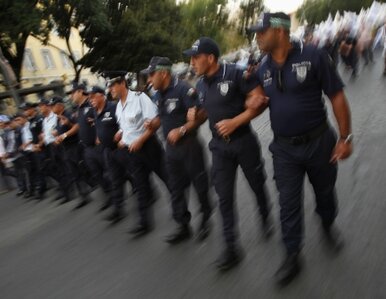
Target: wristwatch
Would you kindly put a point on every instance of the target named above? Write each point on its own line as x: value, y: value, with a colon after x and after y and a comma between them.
x: 348, y: 139
x: 182, y: 130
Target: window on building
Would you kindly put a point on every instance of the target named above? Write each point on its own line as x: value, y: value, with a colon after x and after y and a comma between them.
x: 47, y: 57
x: 29, y: 61
x: 65, y: 60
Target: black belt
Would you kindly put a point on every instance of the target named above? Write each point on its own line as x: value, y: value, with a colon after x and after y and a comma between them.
x: 303, y: 139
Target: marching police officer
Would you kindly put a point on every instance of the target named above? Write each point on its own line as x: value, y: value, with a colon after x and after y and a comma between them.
x: 293, y: 77
x: 184, y: 153
x: 140, y: 151
x: 92, y: 153
x: 106, y: 126
x: 68, y: 155
x: 36, y: 173
x: 222, y: 91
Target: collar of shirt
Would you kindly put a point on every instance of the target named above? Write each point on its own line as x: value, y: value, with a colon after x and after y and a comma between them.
x: 296, y: 48
x: 219, y: 74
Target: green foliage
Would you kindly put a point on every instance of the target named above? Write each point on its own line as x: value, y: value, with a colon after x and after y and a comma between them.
x: 204, y: 18
x: 19, y: 19
x: 140, y: 30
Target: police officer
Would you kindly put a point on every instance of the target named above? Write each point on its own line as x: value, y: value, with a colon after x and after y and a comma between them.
x: 139, y: 149
x: 35, y: 169
x: 46, y: 147
x: 293, y: 77
x: 92, y: 153
x: 184, y: 153
x: 106, y: 127
x: 222, y: 91
x: 24, y: 168
x: 68, y: 154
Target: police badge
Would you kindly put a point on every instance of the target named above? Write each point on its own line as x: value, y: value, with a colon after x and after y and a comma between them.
x: 224, y: 88
x: 86, y: 110
x: 301, y: 73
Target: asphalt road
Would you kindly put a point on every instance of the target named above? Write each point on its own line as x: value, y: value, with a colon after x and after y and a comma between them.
x: 50, y: 251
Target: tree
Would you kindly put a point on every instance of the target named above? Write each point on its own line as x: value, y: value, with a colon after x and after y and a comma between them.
x: 18, y: 20
x: 204, y: 18
x: 88, y: 16
x: 140, y: 29
x: 249, y: 12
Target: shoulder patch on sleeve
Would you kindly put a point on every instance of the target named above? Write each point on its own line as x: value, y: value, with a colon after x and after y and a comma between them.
x: 191, y: 91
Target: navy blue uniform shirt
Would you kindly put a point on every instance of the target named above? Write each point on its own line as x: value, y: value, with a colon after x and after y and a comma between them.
x: 106, y: 125
x: 35, y: 126
x: 85, y: 119
x: 173, y: 104
x: 223, y: 95
x: 64, y: 128
x: 295, y: 89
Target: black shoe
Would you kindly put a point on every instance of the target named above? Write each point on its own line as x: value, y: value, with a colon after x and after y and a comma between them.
x: 204, y: 230
x: 20, y: 193
x: 228, y: 259
x: 64, y: 201
x: 267, y: 227
x: 105, y: 206
x: 83, y: 203
x: 333, y: 238
x: 59, y: 196
x: 288, y: 270
x: 28, y: 194
x: 140, y: 230
x: 39, y: 196
x: 115, y: 217
x: 182, y: 233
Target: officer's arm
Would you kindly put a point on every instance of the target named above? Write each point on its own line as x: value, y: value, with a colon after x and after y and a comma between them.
x: 74, y: 129
x: 256, y: 100
x: 153, y: 124
x: 343, y: 148
x: 195, y: 121
x: 342, y: 113
x: 140, y: 141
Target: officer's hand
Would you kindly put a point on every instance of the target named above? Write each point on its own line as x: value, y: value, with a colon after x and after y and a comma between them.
x: 192, y: 114
x: 225, y: 127
x: 59, y: 139
x: 54, y: 133
x: 121, y: 144
x: 256, y: 102
x: 174, y: 135
x: 135, y: 146
x: 97, y: 141
x: 147, y: 125
x: 341, y: 151
x: 118, y: 136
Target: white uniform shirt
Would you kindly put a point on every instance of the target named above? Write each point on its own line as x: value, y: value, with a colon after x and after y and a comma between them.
x: 132, y: 115
x: 49, y: 124
x: 26, y: 136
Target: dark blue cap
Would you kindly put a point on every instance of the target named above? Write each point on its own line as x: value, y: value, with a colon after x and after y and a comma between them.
x: 96, y: 89
x: 204, y: 45
x: 271, y: 20
x: 76, y: 86
x: 44, y: 101
x: 158, y: 63
x: 55, y: 100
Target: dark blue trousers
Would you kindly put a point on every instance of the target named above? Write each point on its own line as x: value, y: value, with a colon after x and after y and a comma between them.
x: 185, y: 165
x: 226, y: 157
x: 291, y: 163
